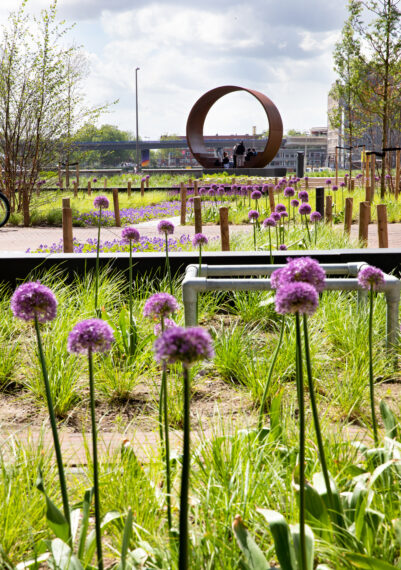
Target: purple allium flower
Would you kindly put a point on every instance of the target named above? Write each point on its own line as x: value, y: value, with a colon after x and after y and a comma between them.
x: 342, y: 184
x: 94, y: 180
x: 265, y: 188
x: 289, y: 191
x: 328, y: 181
x: 299, y: 298
x: 303, y: 196
x: 168, y: 324
x: 377, y: 178
x: 92, y: 334
x: 294, y: 203
x: 387, y: 177
x: 316, y: 216
x: 306, y: 177
x: 256, y: 195
x: 143, y: 179
x: 280, y: 208
x: 211, y: 192
x: 202, y: 191
x: 346, y: 175
x: 213, y: 186
x: 284, y: 214
x: 334, y: 188
x: 160, y: 305
x: 303, y: 269
x: 234, y: 187
x: 130, y: 234
x: 269, y: 222
x: 199, y: 239
x: 253, y: 215
x: 101, y: 202
x: 249, y: 188
x: 165, y: 227
x: 276, y: 216
x: 275, y: 278
x: 283, y: 247
x: 32, y: 300
x: 147, y: 177
x: 178, y: 344
x: 304, y: 209
x: 371, y: 276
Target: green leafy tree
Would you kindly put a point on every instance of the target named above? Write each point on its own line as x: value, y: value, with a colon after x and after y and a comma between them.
x: 105, y: 133
x: 41, y: 103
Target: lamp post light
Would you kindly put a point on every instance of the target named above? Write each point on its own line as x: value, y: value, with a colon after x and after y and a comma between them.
x: 136, y: 106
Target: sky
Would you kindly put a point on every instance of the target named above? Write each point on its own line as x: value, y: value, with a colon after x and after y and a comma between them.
x: 183, y: 48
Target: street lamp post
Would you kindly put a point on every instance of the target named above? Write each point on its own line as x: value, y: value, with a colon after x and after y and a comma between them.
x: 136, y: 106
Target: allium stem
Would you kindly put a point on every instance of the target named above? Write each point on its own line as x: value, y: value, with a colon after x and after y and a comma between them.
x: 57, y: 447
x: 168, y: 267
x: 200, y: 258
x: 254, y: 236
x: 315, y: 231
x: 301, y: 404
x: 316, y: 416
x: 307, y: 228
x: 97, y: 261
x: 183, y: 526
x: 270, y: 246
x: 131, y: 323
x: 95, y: 463
x: 167, y: 447
x: 161, y: 396
x: 269, y: 376
x: 371, y: 378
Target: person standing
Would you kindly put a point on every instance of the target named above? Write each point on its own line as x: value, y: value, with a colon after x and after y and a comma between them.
x: 240, y: 154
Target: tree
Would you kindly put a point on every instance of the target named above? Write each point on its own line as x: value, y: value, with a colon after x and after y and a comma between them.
x: 41, y: 104
x: 105, y: 133
x: 348, y: 113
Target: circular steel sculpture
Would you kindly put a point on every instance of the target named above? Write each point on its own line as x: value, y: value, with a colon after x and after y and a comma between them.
x: 197, y: 117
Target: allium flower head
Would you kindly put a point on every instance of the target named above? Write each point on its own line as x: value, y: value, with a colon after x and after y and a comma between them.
x: 276, y: 216
x: 334, y: 187
x: 95, y: 180
x: 234, y: 187
x: 280, y: 208
x: 213, y: 186
x: 93, y: 335
x: 249, y: 188
x: 165, y: 227
x: 147, y: 176
x: 130, y: 234
x: 160, y: 305
x: 199, y: 239
x: 269, y: 222
x: 168, y: 324
x: 178, y: 344
x: 303, y: 196
x: 303, y: 269
x: 284, y: 214
x: 388, y: 176
x: 294, y: 203
x: 211, y: 192
x: 283, y: 247
x: 296, y: 297
x: 256, y: 195
x: 342, y: 184
x: 32, y: 300
x: 304, y: 209
x: 328, y: 181
x: 253, y: 215
x: 370, y: 276
x: 315, y: 216
x: 202, y: 191
x: 101, y: 202
x: 289, y: 191
x: 265, y: 188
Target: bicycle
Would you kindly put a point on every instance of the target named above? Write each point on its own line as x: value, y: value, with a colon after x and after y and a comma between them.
x: 4, y: 209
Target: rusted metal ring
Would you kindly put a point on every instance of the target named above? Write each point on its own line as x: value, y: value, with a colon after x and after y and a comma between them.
x: 197, y: 117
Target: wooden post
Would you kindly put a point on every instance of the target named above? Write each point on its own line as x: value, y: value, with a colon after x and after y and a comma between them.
x: 129, y: 186
x: 67, y: 226
x: 198, y: 214
x: 77, y: 173
x: 142, y: 187
x: 67, y: 175
x: 397, y: 173
x: 224, y: 230
x: 363, y: 160
x: 61, y: 184
x: 372, y: 176
x: 196, y: 191
x: 382, y: 229
x: 89, y: 187
x: 183, y: 196
x: 336, y: 165
x: 116, y: 207
x: 60, y: 178
x: 233, y: 180
x: 105, y: 183
x: 348, y: 215
x: 75, y: 189
x: 271, y: 199
x: 306, y: 183
x: 189, y: 183
x: 364, y: 219
x: 367, y: 167
x: 275, y: 180
x: 368, y: 194
x: 147, y: 181
x: 352, y: 185
x: 329, y: 209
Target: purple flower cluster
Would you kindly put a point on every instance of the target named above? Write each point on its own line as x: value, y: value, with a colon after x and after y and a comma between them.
x: 303, y: 269
x: 32, y: 300
x: 199, y: 239
x: 130, y: 215
x: 256, y: 195
x: 130, y: 234
x: 93, y: 335
x: 167, y: 323
x: 160, y: 305
x: 316, y: 216
x: 371, y: 277
x: 101, y: 202
x: 269, y: 222
x: 165, y: 227
x: 178, y: 344
x: 253, y: 215
x: 304, y: 209
x: 299, y: 298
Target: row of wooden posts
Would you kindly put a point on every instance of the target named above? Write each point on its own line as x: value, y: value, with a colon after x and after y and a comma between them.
x: 144, y: 186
